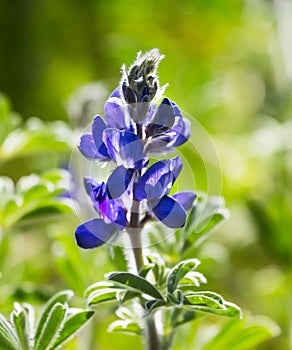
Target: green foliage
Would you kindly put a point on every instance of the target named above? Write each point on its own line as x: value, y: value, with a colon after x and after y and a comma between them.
x: 206, y: 215
x: 33, y: 196
x: 134, y: 283
x: 57, y: 323
x: 158, y: 296
x: 33, y: 137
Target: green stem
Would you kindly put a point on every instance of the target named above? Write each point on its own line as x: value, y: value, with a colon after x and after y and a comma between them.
x: 152, y: 338
x: 135, y: 225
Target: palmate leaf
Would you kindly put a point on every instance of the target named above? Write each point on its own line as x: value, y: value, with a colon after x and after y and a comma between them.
x: 135, y: 283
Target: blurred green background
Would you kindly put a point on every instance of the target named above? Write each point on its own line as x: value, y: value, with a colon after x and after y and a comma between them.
x: 228, y: 64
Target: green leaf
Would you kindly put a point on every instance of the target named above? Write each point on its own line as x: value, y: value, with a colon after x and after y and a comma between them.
x: 72, y: 325
x: 52, y: 326
x: 135, y: 283
x: 61, y: 297
x: 178, y: 272
x: 176, y: 297
x: 118, y: 257
x: 102, y: 295
x: 8, y: 339
x: 192, y: 280
x: 158, y: 268
x: 97, y: 286
x: 145, y: 269
x: 125, y: 326
x: 212, y: 303
x: 243, y: 334
x: 8, y: 120
x: 30, y: 322
x: 154, y: 304
x: 127, y: 296
x: 231, y: 310
x: 207, y: 213
x: 186, y: 316
x: 20, y: 322
x: 204, y: 299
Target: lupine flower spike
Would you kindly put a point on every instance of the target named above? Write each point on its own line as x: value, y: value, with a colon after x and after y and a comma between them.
x: 138, y: 124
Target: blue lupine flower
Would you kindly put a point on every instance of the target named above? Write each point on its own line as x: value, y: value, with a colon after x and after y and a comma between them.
x: 135, y: 126
x: 95, y: 232
x: 155, y: 185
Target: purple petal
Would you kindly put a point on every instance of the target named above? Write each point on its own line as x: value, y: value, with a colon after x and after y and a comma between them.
x: 163, y: 119
x: 88, y: 149
x: 183, y: 130
x: 185, y: 199
x: 116, y: 92
x: 110, y: 210
x: 169, y: 211
x: 176, y: 109
x: 118, y: 181
x: 175, y: 166
x: 160, y: 144
x: 98, y: 126
x: 158, y: 179
x: 94, y: 233
x: 115, y: 111
x: 91, y: 186
x: 125, y: 148
x: 113, y: 211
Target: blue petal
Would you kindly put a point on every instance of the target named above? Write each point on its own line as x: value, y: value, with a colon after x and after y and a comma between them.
x: 163, y: 118
x: 169, y: 211
x: 176, y: 109
x: 116, y: 92
x: 88, y: 149
x: 110, y: 210
x: 115, y: 111
x: 176, y: 167
x: 125, y: 148
x: 158, y: 179
x: 94, y: 233
x: 91, y: 186
x: 98, y: 126
x: 183, y: 130
x: 185, y: 199
x: 113, y: 211
x: 118, y: 181
x: 160, y: 144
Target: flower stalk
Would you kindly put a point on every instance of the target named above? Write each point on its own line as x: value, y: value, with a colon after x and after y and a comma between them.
x: 135, y: 128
